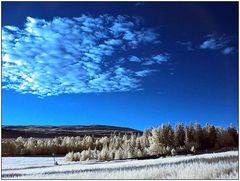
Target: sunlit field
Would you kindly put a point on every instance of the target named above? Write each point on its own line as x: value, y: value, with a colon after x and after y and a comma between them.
x: 206, y: 166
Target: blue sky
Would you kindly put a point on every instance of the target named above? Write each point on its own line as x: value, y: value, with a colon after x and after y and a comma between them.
x: 126, y: 64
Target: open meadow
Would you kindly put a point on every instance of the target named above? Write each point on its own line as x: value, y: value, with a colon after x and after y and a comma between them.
x: 206, y: 166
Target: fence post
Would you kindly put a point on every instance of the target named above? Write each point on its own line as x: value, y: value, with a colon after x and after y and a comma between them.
x: 54, y: 159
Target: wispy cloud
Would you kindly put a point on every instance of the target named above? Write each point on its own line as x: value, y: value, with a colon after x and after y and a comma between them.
x: 160, y: 58
x: 134, y: 59
x: 212, y: 42
x: 157, y: 59
x: 144, y: 73
x: 216, y: 42
x: 228, y: 50
x: 72, y: 55
x: 187, y: 44
x: 139, y: 4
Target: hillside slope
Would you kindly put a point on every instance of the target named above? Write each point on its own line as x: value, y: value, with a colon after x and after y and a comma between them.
x: 55, y: 131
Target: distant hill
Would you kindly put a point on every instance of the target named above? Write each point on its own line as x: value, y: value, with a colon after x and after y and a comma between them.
x: 56, y: 131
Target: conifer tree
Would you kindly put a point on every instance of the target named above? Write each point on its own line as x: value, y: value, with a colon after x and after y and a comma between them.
x: 198, y: 136
x: 179, y: 136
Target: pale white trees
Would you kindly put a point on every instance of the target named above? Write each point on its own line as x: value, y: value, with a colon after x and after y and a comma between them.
x: 193, y: 149
x: 73, y: 156
x: 103, y: 155
x: 154, y: 141
x: 156, y: 147
x: 111, y: 154
x: 173, y: 152
x: 139, y: 153
x: 118, y: 154
x: 87, y: 142
x: 129, y: 152
x: 30, y: 146
x: 104, y: 141
x: 69, y: 156
x: 144, y: 138
x: 84, y: 155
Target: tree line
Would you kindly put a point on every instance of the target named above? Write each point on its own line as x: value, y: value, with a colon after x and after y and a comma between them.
x: 152, y: 142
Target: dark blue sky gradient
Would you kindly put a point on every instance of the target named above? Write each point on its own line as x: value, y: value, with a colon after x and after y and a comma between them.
x: 199, y: 85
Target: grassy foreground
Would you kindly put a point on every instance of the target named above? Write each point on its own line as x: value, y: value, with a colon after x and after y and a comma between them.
x: 206, y: 166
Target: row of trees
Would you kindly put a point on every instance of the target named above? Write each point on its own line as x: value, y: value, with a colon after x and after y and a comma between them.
x: 162, y: 140
x: 153, y: 141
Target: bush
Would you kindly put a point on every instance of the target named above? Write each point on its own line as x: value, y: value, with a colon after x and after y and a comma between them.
x: 173, y: 152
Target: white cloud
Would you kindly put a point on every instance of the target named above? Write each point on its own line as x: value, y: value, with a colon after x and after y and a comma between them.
x: 66, y: 55
x: 156, y: 59
x: 113, y: 42
x: 148, y: 62
x: 144, y: 73
x: 214, y: 42
x: 134, y: 59
x: 160, y: 58
x: 228, y: 50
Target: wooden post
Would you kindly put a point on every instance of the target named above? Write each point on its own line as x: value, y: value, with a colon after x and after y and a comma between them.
x: 54, y: 159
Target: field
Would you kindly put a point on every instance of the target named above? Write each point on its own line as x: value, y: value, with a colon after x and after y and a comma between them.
x: 206, y: 166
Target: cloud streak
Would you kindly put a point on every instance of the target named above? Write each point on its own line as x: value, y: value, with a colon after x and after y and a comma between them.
x: 212, y: 42
x: 74, y: 55
x: 215, y: 42
x: 157, y: 59
x: 187, y: 44
x: 228, y: 50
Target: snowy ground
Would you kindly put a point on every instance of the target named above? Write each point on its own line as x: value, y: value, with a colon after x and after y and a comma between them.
x: 207, y: 166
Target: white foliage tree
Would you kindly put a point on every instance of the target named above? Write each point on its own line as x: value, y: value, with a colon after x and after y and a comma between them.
x: 156, y: 147
x: 118, y: 154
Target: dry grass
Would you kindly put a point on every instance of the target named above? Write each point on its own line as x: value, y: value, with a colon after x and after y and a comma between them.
x: 209, y: 166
